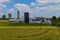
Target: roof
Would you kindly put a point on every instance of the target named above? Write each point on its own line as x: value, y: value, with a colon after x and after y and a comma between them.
x: 35, y: 19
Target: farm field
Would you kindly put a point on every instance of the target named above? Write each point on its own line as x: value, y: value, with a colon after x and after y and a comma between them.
x: 29, y: 33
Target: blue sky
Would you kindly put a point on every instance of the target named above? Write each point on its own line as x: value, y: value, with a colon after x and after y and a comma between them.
x: 39, y: 8
x: 13, y: 2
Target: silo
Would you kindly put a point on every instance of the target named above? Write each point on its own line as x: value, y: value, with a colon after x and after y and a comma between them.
x: 10, y: 16
x: 18, y: 14
x: 26, y: 17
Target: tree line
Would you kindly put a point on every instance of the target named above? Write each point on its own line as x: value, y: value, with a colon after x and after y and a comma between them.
x: 3, y: 17
x: 55, y: 18
x: 55, y: 21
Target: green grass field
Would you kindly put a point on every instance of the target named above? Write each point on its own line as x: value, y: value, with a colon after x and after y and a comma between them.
x: 4, y: 21
x: 9, y: 31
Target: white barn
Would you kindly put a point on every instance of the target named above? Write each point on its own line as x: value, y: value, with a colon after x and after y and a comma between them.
x: 40, y: 20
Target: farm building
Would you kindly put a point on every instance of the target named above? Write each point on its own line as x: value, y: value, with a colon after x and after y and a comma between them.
x: 40, y: 20
x: 31, y: 20
x: 27, y: 19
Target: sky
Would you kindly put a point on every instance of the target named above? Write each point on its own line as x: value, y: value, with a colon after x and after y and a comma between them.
x: 36, y: 8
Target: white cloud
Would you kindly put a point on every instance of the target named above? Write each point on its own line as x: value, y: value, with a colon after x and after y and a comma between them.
x: 11, y: 10
x: 4, y: 0
x: 44, y: 7
x: 42, y: 1
x: 23, y: 7
x: 47, y: 1
x: 33, y: 4
x: 53, y: 8
x: 2, y: 6
x: 36, y: 9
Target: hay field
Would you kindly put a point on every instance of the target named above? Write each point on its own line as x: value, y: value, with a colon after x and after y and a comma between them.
x: 29, y: 33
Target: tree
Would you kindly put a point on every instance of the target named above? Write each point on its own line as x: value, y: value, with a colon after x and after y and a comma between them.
x: 59, y: 18
x: 54, y: 18
x: 4, y: 17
